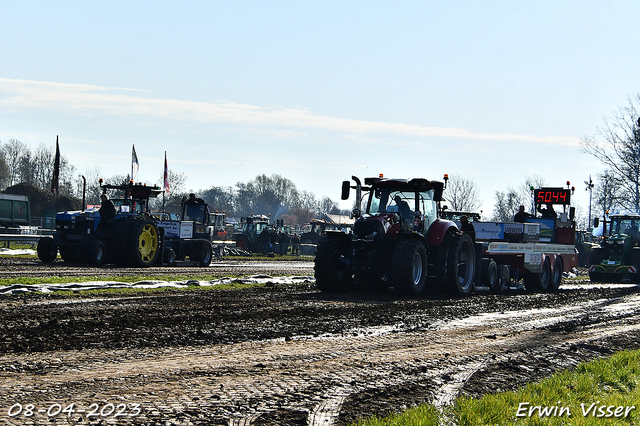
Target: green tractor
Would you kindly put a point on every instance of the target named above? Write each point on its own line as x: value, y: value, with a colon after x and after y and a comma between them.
x: 618, y: 257
x: 248, y: 238
x: 129, y: 238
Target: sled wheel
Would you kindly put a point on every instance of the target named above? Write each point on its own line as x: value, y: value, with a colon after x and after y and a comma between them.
x: 461, y: 264
x: 539, y: 282
x: 170, y: 257
x: 490, y: 275
x: 556, y: 274
x: 205, y: 253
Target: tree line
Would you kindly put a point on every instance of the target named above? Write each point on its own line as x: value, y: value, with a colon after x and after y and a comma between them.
x: 269, y: 195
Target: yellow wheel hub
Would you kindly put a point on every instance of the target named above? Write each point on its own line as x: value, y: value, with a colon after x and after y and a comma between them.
x: 148, y: 243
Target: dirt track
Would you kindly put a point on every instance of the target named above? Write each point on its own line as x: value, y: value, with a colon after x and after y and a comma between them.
x: 285, y: 354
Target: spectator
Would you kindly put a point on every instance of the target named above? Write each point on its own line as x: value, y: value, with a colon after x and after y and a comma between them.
x: 467, y: 227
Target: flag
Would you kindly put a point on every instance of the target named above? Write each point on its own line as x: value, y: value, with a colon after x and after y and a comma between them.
x: 56, y: 170
x: 166, y: 174
x: 134, y: 163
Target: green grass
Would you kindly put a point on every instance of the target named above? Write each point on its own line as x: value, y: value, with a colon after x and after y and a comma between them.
x: 608, y: 382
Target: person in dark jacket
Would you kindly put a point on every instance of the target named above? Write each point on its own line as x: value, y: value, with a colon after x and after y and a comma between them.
x: 107, y: 209
x: 521, y: 216
x: 467, y: 227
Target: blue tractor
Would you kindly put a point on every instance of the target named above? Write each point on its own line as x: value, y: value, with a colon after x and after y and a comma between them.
x: 129, y: 238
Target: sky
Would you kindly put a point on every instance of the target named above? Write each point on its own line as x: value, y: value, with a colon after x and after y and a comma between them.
x: 319, y: 91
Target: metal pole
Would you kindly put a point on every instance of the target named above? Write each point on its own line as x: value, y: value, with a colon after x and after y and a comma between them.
x: 589, y: 188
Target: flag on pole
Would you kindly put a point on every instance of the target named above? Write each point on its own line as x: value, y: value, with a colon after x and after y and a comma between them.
x: 56, y: 170
x: 134, y: 163
x: 166, y: 174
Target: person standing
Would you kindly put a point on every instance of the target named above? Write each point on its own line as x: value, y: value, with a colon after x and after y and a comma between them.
x: 467, y: 227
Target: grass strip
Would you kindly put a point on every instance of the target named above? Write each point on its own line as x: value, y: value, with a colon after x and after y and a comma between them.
x: 603, y: 391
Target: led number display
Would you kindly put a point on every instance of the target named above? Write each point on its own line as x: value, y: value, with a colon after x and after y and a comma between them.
x: 552, y: 196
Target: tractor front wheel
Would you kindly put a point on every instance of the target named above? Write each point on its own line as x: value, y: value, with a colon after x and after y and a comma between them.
x: 409, y: 267
x: 95, y: 253
x: 330, y: 276
x: 47, y: 250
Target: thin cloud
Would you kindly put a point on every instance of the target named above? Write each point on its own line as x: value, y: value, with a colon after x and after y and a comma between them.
x: 84, y: 99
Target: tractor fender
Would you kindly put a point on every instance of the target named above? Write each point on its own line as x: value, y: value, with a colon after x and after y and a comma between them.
x: 438, y: 230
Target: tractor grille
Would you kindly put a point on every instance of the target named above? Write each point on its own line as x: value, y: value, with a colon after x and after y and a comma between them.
x: 74, y: 227
x: 368, y: 229
x: 371, y: 255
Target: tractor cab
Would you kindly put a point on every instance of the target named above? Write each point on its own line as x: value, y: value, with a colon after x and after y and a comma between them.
x: 623, y: 232
x: 131, y: 198
x: 406, y: 205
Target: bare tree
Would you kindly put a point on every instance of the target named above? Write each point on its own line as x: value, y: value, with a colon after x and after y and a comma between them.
x: 5, y: 176
x: 219, y: 199
x: 462, y: 194
x: 307, y: 201
x: 13, y: 151
x: 605, y: 193
x: 508, y: 202
x: 617, y: 146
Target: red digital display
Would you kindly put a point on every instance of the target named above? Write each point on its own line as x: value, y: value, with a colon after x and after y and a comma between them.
x: 552, y: 196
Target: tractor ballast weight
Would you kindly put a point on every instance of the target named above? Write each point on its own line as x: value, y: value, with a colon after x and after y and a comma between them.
x: 398, y: 241
x: 129, y: 238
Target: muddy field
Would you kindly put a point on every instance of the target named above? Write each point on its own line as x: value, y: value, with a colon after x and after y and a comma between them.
x: 283, y: 355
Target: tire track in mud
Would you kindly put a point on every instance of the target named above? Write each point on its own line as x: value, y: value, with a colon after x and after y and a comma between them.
x: 285, y: 381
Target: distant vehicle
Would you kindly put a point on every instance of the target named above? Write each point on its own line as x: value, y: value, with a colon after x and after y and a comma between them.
x: 618, y: 257
x: 15, y: 211
x: 247, y: 236
x: 455, y: 215
x: 189, y: 237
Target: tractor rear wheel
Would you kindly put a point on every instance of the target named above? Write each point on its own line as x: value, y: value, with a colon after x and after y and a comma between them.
x: 409, y: 267
x: 47, y: 250
x: 461, y: 264
x: 204, y: 253
x: 142, y: 248
x: 330, y: 277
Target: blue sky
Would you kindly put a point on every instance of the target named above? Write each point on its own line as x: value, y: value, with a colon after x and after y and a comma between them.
x: 319, y: 91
